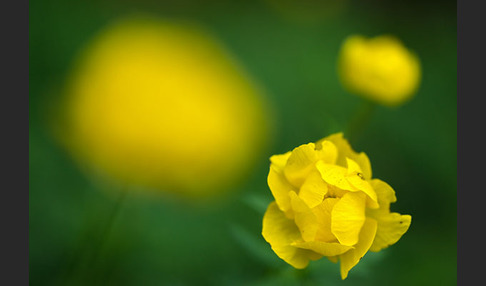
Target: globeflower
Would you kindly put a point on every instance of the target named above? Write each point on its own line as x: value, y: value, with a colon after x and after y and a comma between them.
x: 161, y: 104
x: 328, y: 204
x: 380, y: 69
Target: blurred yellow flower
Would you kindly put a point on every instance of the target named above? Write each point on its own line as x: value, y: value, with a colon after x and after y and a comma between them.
x: 162, y: 105
x: 380, y: 69
x: 327, y: 204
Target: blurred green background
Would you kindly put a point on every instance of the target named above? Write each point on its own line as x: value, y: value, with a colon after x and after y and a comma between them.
x: 290, y: 48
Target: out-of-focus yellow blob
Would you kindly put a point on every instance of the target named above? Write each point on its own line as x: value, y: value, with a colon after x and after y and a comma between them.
x: 380, y: 69
x: 162, y: 105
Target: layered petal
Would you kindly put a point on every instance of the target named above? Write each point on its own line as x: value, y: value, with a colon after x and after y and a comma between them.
x: 353, y: 256
x: 353, y: 167
x: 313, y: 189
x: 334, y: 175
x: 335, y: 192
x: 385, y: 193
x: 356, y: 178
x: 300, y: 164
x: 349, y: 179
x: 279, y: 161
x: 327, y: 151
x: 391, y: 227
x: 345, y: 151
x: 281, y: 232
x: 347, y: 217
x: 280, y: 188
x: 323, y: 215
x: 304, y: 218
x: 365, y: 187
x: 323, y: 248
x: 333, y: 259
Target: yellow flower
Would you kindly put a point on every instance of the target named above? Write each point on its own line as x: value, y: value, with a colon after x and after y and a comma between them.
x: 380, y: 69
x: 161, y: 104
x: 327, y: 204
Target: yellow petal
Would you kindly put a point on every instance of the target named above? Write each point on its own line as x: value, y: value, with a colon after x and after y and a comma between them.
x: 363, y: 160
x: 353, y: 256
x: 391, y: 227
x: 357, y: 180
x: 345, y: 150
x: 313, y: 255
x: 353, y: 167
x: 384, y: 192
x: 335, y: 192
x: 365, y: 187
x: 323, y: 215
x: 334, y: 175
x: 347, y: 217
x: 333, y: 259
x: 300, y: 164
x: 324, y: 248
x: 280, y: 188
x: 279, y: 161
x: 305, y: 219
x: 281, y: 232
x: 313, y: 190
x: 327, y: 151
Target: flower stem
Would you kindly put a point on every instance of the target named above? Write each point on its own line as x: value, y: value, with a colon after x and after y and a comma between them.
x: 86, y: 257
x: 109, y: 225
x: 304, y: 277
x: 360, y: 119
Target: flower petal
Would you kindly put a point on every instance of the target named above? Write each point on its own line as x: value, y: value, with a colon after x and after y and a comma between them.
x: 323, y: 215
x: 345, y: 150
x: 353, y: 256
x: 281, y: 232
x: 334, y: 175
x: 357, y: 180
x: 335, y: 192
x: 384, y: 192
x: 280, y: 188
x: 327, y: 151
x: 353, y: 167
x: 279, y: 161
x: 324, y: 248
x: 305, y: 219
x: 391, y: 227
x: 313, y: 190
x: 333, y: 259
x: 300, y: 164
x: 348, y: 216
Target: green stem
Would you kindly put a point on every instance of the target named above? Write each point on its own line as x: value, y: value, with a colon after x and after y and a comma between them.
x: 86, y: 256
x: 359, y: 121
x: 303, y: 276
x: 99, y: 276
x: 109, y: 225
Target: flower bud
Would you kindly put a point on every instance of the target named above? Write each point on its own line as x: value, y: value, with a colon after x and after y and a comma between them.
x: 380, y: 69
x: 162, y: 105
